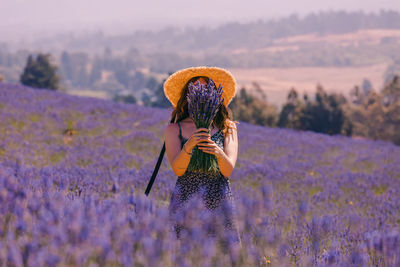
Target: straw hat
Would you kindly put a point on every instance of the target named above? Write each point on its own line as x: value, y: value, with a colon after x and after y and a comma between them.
x: 174, y: 84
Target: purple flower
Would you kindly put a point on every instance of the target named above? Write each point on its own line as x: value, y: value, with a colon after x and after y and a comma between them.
x: 203, y: 104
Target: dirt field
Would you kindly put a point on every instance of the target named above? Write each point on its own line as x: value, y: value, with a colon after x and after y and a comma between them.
x: 366, y: 36
x: 276, y: 82
x: 91, y: 93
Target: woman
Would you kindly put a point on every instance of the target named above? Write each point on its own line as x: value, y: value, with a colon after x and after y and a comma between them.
x: 181, y: 136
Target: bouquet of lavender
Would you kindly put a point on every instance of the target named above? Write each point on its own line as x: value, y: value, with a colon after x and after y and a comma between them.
x: 203, y: 104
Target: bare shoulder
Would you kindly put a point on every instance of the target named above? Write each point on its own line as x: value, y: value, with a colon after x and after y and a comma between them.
x: 232, y: 129
x: 232, y: 125
x: 231, y: 132
x: 171, y: 129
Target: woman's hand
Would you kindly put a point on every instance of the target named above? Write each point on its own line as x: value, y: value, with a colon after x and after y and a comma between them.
x: 200, y: 135
x: 209, y: 146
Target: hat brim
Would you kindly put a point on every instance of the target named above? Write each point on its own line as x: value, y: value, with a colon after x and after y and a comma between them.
x: 173, y: 86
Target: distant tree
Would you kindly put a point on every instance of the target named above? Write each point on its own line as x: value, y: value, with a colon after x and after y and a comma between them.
x: 366, y: 86
x: 111, y: 62
x: 291, y: 111
x: 391, y: 92
x: 66, y: 66
x: 147, y: 99
x: 40, y: 73
x: 248, y: 108
x: 83, y: 78
x: 292, y: 96
x: 138, y: 81
x: 391, y: 109
x: 257, y: 87
x: 160, y: 99
x: 392, y: 70
x: 325, y: 115
x: 305, y: 97
x: 95, y: 73
x: 152, y: 83
x: 356, y: 95
x: 154, y: 95
x: 378, y: 117
x: 122, y: 76
x: 80, y: 63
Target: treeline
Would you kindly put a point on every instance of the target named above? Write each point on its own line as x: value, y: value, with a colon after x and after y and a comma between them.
x: 133, y: 75
x: 227, y: 36
x: 107, y: 72
x: 121, y: 76
x: 368, y: 113
x: 260, y: 33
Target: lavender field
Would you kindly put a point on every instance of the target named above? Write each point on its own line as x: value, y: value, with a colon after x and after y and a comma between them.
x: 73, y: 172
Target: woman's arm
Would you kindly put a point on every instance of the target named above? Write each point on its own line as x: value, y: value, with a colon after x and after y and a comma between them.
x: 178, y: 158
x: 226, y: 158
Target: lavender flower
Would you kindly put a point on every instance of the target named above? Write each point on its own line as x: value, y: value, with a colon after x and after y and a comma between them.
x: 204, y: 102
x: 56, y: 205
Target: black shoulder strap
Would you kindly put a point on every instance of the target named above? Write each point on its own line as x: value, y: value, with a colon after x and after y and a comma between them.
x: 153, y: 176
x: 180, y: 132
x: 160, y: 158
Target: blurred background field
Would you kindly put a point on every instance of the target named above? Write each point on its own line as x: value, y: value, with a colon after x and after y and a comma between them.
x: 340, y: 62
x: 266, y: 53
x: 85, y: 149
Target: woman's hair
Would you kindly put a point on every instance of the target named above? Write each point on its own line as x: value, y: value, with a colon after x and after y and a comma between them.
x: 223, y: 119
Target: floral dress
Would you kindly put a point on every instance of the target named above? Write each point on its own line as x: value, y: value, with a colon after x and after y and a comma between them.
x: 214, y: 191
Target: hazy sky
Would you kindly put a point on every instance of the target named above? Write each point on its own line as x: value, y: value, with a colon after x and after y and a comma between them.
x: 20, y: 17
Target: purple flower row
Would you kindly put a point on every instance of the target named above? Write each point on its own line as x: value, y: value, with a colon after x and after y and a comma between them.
x: 301, y: 197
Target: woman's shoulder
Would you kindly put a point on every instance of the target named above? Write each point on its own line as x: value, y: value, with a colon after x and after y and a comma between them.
x: 230, y: 126
x: 171, y: 128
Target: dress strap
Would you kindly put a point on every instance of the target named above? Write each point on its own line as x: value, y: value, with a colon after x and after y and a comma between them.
x: 180, y: 132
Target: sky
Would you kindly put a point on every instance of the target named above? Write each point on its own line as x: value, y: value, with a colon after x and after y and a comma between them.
x: 28, y: 18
